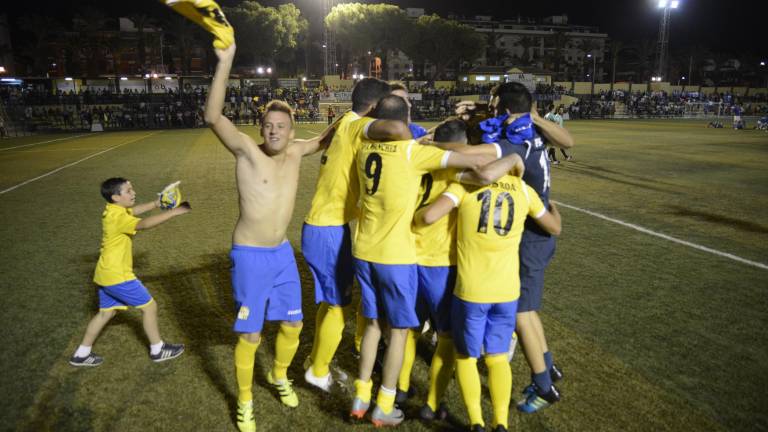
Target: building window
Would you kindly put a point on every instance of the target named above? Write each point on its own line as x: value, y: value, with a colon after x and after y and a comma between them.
x: 495, y: 78
x: 480, y: 78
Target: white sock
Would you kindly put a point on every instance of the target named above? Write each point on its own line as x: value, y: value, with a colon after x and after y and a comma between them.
x: 154, y: 349
x: 387, y: 391
x: 82, y: 351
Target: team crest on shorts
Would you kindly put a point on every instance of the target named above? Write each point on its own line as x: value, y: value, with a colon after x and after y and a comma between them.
x: 243, y: 313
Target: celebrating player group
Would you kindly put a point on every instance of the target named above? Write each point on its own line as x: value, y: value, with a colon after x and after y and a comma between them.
x: 452, y: 227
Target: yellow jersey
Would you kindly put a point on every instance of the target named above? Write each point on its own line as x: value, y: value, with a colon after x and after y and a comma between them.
x: 115, y: 263
x: 436, y: 243
x: 490, y: 225
x: 389, y: 175
x: 336, y: 192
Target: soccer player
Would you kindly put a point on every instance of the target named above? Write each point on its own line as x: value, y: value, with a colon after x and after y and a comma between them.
x: 326, y: 237
x: 385, y: 258
x: 490, y: 226
x: 399, y: 89
x: 524, y: 131
x: 556, y: 116
x: 265, y: 279
x: 118, y: 286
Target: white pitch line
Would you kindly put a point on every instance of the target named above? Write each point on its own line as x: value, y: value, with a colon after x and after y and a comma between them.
x: 666, y: 237
x: 42, y: 142
x: 72, y: 164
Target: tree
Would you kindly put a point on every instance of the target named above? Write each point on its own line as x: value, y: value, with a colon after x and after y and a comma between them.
x: 643, y: 53
x: 559, y: 41
x: 528, y: 43
x: 266, y: 34
x: 362, y: 27
x: 616, y: 48
x: 141, y: 21
x: 37, y: 51
x: 89, y: 40
x: 442, y: 42
x: 182, y: 33
x: 495, y: 55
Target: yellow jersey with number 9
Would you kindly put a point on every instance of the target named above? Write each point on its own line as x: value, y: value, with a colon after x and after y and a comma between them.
x: 389, y: 174
x: 490, y: 225
x: 336, y: 192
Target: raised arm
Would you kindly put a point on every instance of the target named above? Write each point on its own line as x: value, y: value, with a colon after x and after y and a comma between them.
x: 157, y: 219
x: 555, y: 135
x: 320, y: 142
x: 487, y: 174
x: 232, y: 139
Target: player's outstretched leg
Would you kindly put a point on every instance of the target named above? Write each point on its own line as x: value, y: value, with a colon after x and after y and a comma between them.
x: 285, y: 349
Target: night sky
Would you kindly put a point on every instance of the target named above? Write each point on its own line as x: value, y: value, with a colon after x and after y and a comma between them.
x: 732, y: 26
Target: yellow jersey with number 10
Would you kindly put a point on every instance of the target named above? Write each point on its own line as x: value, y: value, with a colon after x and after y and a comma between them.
x: 490, y: 225
x: 336, y: 192
x: 390, y: 173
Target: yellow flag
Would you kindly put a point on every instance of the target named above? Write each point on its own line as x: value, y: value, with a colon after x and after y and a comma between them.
x: 208, y: 15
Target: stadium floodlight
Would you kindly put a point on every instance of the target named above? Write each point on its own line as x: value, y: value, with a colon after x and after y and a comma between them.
x: 123, y: 78
x: 674, y: 4
x: 146, y: 75
x: 762, y: 63
x: 68, y: 79
x: 663, y: 4
x: 269, y: 70
x: 154, y: 75
x: 304, y: 79
x: 167, y: 78
x: 2, y: 69
x: 260, y: 70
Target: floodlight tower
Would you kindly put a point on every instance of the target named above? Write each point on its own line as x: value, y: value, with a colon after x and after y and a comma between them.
x: 663, y: 45
x: 329, y: 40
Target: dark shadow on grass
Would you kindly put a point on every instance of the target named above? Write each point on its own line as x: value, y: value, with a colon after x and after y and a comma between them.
x: 592, y: 173
x: 720, y: 220
x: 578, y: 164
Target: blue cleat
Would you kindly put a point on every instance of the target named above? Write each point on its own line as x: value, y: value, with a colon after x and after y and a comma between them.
x: 536, y: 402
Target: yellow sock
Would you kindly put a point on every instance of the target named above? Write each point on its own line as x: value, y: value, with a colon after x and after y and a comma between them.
x: 319, y: 317
x: 385, y: 400
x: 330, y: 332
x: 245, y: 353
x: 285, y: 348
x: 500, y: 386
x: 440, y: 371
x: 469, y: 384
x: 361, y: 322
x: 363, y: 390
x: 409, y: 357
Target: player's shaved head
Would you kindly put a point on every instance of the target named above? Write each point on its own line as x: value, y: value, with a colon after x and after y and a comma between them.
x: 452, y: 130
x: 367, y: 92
x: 391, y: 107
x: 513, y: 97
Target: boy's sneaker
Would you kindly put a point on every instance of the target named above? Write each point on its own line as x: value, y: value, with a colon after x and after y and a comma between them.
x: 245, y: 419
x: 426, y: 413
x: 91, y: 360
x: 394, y: 418
x: 359, y: 408
x: 285, y: 388
x: 323, y: 383
x: 167, y: 352
x: 537, y: 402
x: 555, y: 373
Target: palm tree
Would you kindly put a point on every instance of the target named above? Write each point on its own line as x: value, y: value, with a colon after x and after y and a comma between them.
x: 494, y: 54
x: 643, y: 52
x: 141, y: 22
x: 183, y: 35
x: 528, y: 54
x: 91, y: 41
x: 44, y: 29
x: 559, y: 41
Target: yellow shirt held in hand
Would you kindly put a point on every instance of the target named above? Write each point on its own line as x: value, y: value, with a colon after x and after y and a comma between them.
x: 336, y: 192
x: 390, y: 174
x: 115, y: 264
x: 490, y: 225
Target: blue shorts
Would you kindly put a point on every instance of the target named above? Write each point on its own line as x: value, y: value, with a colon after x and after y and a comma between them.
x: 435, y: 294
x: 264, y: 281
x: 120, y: 296
x: 534, y: 258
x: 389, y: 292
x: 328, y: 252
x: 478, y: 326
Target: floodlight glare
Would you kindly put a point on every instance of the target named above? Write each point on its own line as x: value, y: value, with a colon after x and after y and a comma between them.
x: 67, y: 79
x: 123, y: 78
x: 2, y: 69
x: 168, y: 78
x: 762, y: 63
x: 260, y: 70
x: 154, y: 75
x: 663, y: 4
x: 269, y: 70
x: 589, y: 55
x: 304, y: 78
x: 674, y: 4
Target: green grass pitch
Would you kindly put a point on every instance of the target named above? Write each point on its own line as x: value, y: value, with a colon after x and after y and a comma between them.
x: 651, y: 334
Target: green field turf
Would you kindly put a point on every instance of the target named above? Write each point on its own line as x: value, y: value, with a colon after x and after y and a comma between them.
x: 651, y: 334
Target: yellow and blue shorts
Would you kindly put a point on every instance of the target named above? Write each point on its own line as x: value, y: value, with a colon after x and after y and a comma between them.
x: 435, y: 294
x: 131, y: 293
x: 388, y: 292
x: 265, y: 285
x: 328, y: 252
x: 482, y: 327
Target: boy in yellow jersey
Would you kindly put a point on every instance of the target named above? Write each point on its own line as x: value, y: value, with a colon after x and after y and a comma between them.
x: 325, y: 237
x: 118, y: 286
x: 490, y: 225
x: 384, y: 251
x: 265, y: 279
